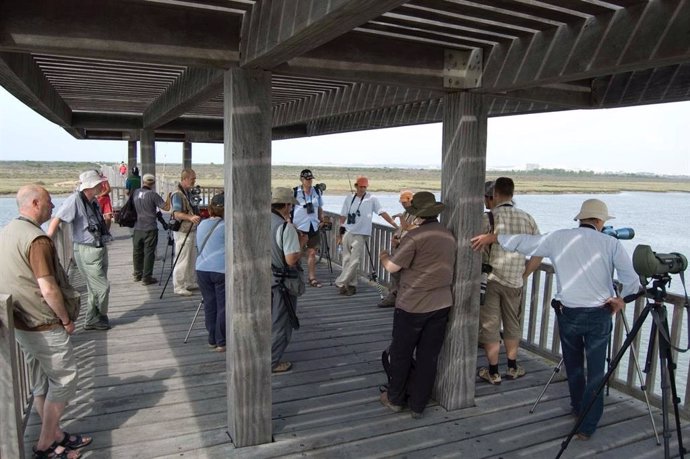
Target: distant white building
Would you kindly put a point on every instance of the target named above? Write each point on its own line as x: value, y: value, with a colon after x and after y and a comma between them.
x: 532, y: 166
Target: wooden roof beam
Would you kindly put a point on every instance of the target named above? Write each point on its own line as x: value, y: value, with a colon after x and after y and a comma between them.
x: 641, y: 36
x: 23, y: 78
x: 194, y: 86
x: 274, y: 32
x: 137, y: 31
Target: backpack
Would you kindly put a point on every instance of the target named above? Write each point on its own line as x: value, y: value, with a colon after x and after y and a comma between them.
x: 128, y: 213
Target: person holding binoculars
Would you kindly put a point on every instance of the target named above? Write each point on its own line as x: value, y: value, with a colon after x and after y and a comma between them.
x: 307, y: 216
x: 89, y: 234
x: 355, y: 228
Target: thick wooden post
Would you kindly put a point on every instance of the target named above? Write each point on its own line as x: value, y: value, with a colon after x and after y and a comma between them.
x: 248, y: 119
x: 131, y: 154
x: 148, y: 152
x: 186, y: 155
x: 462, y: 189
x: 11, y: 443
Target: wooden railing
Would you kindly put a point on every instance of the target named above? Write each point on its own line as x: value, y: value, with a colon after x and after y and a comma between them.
x: 119, y: 195
x: 540, y: 333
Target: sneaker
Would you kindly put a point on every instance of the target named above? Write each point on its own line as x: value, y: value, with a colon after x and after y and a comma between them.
x: 193, y: 287
x: 97, y: 326
x: 515, y: 373
x: 388, y: 404
x: 387, y: 302
x: 149, y: 280
x: 136, y: 278
x: 282, y: 367
x: 342, y: 290
x: 416, y: 415
x: 183, y: 292
x: 350, y: 291
x: 491, y: 378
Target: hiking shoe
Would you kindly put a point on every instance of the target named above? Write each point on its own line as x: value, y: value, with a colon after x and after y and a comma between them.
x: 183, y: 292
x: 149, y: 280
x: 388, y: 404
x: 349, y: 291
x: 136, y: 278
x: 282, y: 367
x: 97, y: 326
x: 515, y: 373
x: 416, y: 415
x: 491, y: 378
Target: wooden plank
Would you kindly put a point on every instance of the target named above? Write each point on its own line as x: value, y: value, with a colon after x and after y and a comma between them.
x: 303, y: 26
x: 247, y: 195
x: 462, y: 180
x: 11, y: 419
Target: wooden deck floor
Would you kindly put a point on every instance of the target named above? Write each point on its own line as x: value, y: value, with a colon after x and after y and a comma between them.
x: 144, y: 394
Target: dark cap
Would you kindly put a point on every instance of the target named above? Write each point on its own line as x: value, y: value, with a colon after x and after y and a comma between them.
x: 489, y: 189
x: 135, y: 170
x: 218, y: 200
x: 306, y: 174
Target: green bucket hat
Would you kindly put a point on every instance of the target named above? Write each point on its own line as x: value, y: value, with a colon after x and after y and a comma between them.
x: 424, y: 205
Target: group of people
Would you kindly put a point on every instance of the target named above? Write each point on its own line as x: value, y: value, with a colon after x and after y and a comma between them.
x: 422, y: 267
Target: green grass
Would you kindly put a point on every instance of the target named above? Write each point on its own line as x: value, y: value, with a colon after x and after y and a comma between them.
x: 61, y: 177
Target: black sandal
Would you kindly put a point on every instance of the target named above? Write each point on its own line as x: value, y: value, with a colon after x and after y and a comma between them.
x: 50, y: 453
x: 79, y: 440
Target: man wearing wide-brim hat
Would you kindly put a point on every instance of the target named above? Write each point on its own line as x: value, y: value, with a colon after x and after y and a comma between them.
x: 286, y: 250
x: 89, y: 234
x: 426, y: 260
x: 584, y: 259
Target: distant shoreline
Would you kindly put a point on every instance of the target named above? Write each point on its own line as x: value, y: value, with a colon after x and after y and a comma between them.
x: 60, y: 178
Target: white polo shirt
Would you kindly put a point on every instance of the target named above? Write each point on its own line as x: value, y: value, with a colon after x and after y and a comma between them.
x: 366, y: 206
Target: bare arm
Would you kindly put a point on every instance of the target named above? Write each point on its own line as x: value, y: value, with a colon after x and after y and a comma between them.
x: 53, y: 227
x: 483, y: 240
x: 532, y: 265
x: 387, y: 263
x: 388, y: 218
x: 53, y: 296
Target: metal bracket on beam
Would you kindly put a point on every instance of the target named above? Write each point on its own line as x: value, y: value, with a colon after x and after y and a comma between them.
x: 462, y: 69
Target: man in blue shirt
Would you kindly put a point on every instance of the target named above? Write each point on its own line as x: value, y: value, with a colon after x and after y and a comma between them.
x: 584, y: 259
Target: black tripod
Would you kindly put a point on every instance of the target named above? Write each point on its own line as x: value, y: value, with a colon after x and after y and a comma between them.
x: 373, y: 277
x: 659, y: 330
x: 327, y: 249
x: 172, y: 269
x: 171, y: 244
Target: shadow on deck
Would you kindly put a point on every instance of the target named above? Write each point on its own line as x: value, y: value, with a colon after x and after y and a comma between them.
x: 143, y: 393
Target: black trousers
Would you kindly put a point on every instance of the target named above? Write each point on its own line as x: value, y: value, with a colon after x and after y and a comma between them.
x: 423, y: 333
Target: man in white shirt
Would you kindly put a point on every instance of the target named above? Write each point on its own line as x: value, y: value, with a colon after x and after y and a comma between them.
x: 355, y: 229
x: 584, y: 259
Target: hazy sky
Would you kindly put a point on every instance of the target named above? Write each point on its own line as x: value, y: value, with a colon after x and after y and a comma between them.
x: 650, y: 138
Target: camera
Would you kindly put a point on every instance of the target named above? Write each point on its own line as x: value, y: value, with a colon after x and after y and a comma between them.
x: 310, y: 207
x: 321, y: 187
x: 653, y: 264
x: 619, y: 233
x: 327, y: 224
x: 486, y: 269
x: 195, y: 195
x: 161, y: 220
x: 95, y: 230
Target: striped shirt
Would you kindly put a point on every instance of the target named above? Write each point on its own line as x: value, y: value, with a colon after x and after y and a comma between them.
x: 508, y: 267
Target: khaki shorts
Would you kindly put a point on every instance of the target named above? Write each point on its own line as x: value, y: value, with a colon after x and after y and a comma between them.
x: 314, y: 239
x: 502, y: 305
x: 52, y: 364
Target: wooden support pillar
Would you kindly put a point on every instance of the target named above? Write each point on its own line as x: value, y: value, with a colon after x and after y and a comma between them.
x: 131, y: 154
x: 148, y: 152
x: 11, y: 431
x: 247, y: 132
x: 186, y: 155
x: 463, y: 168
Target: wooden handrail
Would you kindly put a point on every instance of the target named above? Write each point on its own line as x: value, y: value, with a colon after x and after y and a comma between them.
x: 540, y: 333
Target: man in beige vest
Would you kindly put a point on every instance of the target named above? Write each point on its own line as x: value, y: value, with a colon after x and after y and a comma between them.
x: 186, y: 212
x: 42, y: 323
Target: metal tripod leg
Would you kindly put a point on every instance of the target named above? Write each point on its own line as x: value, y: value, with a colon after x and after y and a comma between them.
x: 196, y: 314
x: 556, y: 370
x: 643, y: 387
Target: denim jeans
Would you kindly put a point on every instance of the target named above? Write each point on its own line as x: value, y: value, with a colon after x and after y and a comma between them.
x: 212, y: 286
x: 585, y: 334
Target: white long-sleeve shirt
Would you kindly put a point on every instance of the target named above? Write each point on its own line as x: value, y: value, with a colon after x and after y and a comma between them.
x: 584, y: 260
